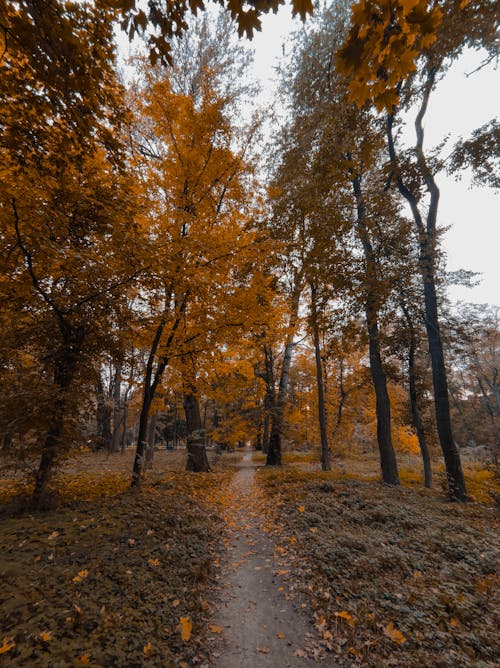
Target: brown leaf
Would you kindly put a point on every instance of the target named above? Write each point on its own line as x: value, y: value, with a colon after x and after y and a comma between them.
x: 215, y: 629
x: 393, y: 634
x: 186, y: 628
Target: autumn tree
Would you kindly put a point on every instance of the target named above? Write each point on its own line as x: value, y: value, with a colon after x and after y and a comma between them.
x: 204, y: 246
x: 66, y: 211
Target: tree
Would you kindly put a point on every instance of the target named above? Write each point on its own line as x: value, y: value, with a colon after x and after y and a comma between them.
x: 66, y: 213
x: 449, y: 27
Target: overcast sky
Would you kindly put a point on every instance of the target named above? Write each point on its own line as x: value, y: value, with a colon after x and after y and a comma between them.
x: 458, y: 106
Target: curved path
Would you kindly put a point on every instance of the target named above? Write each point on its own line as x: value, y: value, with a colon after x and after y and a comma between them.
x: 259, y: 625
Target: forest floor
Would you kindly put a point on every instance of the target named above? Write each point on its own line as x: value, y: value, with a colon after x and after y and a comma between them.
x: 247, y: 567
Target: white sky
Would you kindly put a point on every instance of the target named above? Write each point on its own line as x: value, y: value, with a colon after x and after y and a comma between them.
x: 458, y: 106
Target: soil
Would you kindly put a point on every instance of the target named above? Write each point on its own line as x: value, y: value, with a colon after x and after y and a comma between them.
x: 261, y: 624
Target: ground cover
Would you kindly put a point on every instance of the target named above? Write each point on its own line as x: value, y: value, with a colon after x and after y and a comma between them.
x: 110, y: 576
x: 394, y: 577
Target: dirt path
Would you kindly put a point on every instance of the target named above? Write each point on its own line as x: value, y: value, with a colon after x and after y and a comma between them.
x: 260, y: 626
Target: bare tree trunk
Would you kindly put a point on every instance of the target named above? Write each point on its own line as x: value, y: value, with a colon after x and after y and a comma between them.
x: 427, y: 240
x: 117, y: 409
x: 197, y: 460
x: 388, y: 462
x: 64, y: 372
x: 415, y: 410
x: 326, y: 458
x: 278, y: 412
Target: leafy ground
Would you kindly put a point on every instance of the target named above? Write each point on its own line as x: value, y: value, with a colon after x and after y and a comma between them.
x: 111, y: 577
x: 394, y: 577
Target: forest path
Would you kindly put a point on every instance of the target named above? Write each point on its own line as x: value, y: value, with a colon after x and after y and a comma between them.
x: 260, y: 625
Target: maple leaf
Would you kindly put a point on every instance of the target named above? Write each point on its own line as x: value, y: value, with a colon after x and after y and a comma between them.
x: 394, y: 634
x: 147, y: 649
x: 46, y: 636
x: 154, y: 562
x: 7, y: 645
x: 186, y: 628
x: 301, y: 509
x: 84, y: 659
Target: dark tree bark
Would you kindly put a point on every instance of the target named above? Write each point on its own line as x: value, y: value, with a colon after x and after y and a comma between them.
x: 415, y: 410
x: 64, y: 372
x: 326, y: 458
x: 278, y: 412
x: 117, y: 408
x: 388, y: 462
x: 197, y: 460
x: 151, y: 382
x: 427, y: 241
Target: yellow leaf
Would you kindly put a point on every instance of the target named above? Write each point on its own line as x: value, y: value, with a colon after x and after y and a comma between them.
x: 84, y: 659
x: 348, y: 617
x: 46, y: 636
x: 393, y: 634
x: 147, y: 649
x: 53, y: 535
x: 186, y: 628
x: 81, y: 575
x: 417, y: 574
x: 154, y: 562
x: 7, y: 645
x: 215, y: 629
x: 175, y: 603
x: 301, y: 509
x: 313, y: 529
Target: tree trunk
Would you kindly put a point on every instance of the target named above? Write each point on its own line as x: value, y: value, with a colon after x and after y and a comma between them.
x: 123, y: 444
x: 197, y: 460
x: 415, y: 410
x: 388, y: 463
x: 117, y: 409
x: 427, y: 240
x: 278, y: 412
x: 326, y: 459
x: 103, y: 418
x: 64, y: 372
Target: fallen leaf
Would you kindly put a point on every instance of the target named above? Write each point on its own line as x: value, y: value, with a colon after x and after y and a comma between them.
x: 154, y: 562
x: 7, y: 645
x: 53, y: 535
x: 81, y: 575
x: 147, y: 649
x: 46, y: 636
x: 301, y: 509
x: 175, y: 603
x: 215, y: 629
x: 348, y: 617
x: 263, y: 650
x: 84, y: 659
x: 280, y: 635
x: 394, y: 634
x: 313, y: 529
x: 186, y: 628
x: 301, y: 653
